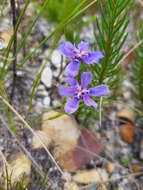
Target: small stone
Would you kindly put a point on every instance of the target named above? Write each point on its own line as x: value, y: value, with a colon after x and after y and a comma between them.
x: 126, y: 151
x: 19, y: 167
x: 115, y: 177
x: 56, y: 103
x: 66, y: 176
x: 127, y: 133
x: 20, y: 73
x: 71, y: 186
x: 42, y: 93
x: 3, y: 45
x: 110, y: 167
x: 38, y: 106
x: 127, y: 95
x: 41, y: 87
x: 137, y: 167
x: 62, y: 128
x: 121, y: 188
x: 102, y: 187
x: 125, y: 185
x: 56, y: 58
x: 127, y: 115
x: 30, y: 9
x: 6, y: 35
x: 90, y: 187
x: 91, y: 176
x: 1, y: 63
x: 46, y: 77
x: 36, y: 144
x: 46, y: 101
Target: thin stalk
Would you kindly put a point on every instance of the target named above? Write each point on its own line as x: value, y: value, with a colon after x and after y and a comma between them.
x: 100, y: 112
x: 14, y: 18
x: 23, y: 41
x: 129, y: 52
x: 7, y: 51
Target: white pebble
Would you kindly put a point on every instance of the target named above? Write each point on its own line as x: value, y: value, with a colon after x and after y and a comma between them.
x: 46, y: 77
x: 115, y: 176
x: 56, y: 58
x: 46, y: 101
x: 56, y: 103
x: 1, y: 64
x: 19, y: 73
x: 41, y: 87
x: 3, y: 45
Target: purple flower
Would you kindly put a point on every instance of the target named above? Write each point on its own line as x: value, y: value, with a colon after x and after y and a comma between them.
x: 80, y: 53
x: 79, y: 92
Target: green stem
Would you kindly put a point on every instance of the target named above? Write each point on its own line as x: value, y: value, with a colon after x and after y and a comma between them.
x: 7, y: 51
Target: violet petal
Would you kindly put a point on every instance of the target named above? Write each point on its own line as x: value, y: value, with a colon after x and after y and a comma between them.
x: 86, y: 78
x: 98, y: 91
x: 67, y: 91
x: 88, y: 101
x: 93, y: 57
x: 72, y: 105
x: 72, y: 68
x: 67, y: 49
x: 71, y: 81
x: 83, y: 46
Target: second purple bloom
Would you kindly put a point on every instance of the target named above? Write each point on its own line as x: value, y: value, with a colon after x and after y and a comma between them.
x: 80, y: 53
x: 79, y: 92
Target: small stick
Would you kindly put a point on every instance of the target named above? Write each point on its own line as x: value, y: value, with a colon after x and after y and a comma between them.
x: 129, y: 52
x: 100, y: 113
x: 14, y: 18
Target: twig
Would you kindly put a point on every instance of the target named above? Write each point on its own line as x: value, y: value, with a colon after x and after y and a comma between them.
x: 100, y: 113
x: 130, y: 51
x: 14, y: 18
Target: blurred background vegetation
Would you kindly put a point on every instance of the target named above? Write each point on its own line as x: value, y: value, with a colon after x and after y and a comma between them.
x: 112, y: 26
